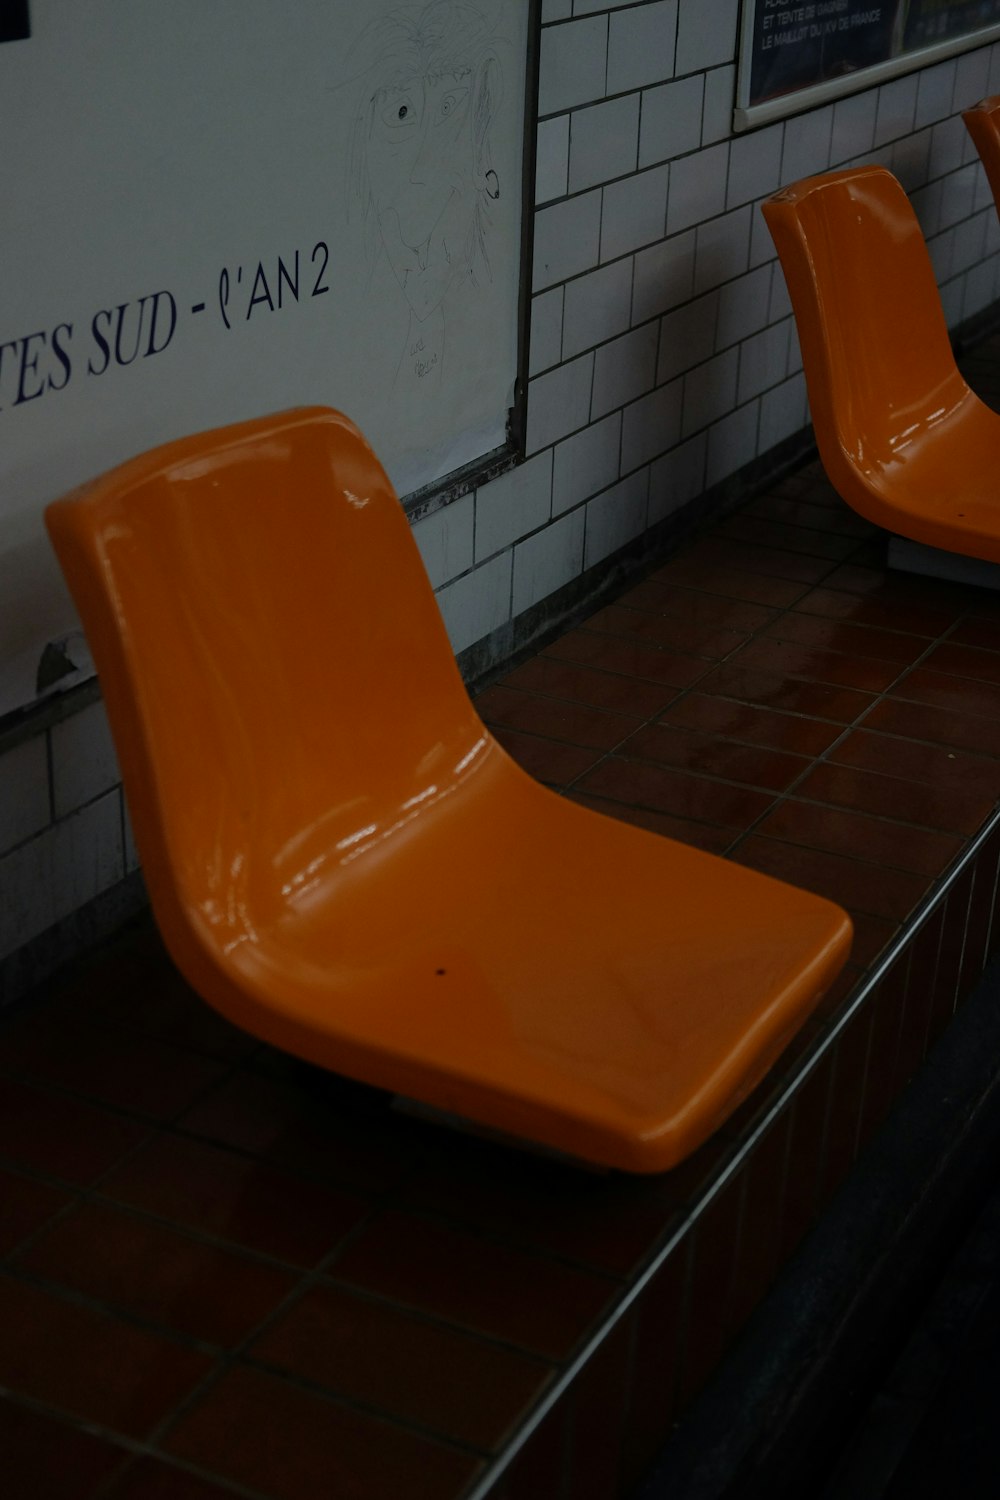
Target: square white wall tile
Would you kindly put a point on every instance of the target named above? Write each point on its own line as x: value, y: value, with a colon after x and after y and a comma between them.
x: 897, y: 103
x: 763, y: 361
x: 24, y: 791
x: 935, y: 87
x: 634, y: 212
x: 782, y: 412
x: 910, y: 158
x: 598, y: 306
x: 586, y: 463
x: 671, y: 120
x: 743, y: 306
x: 552, y: 159
x: 545, y: 348
x: 572, y: 65
x: 972, y: 78
x: 511, y: 506
x: 853, y: 127
x: 641, y: 44
x: 62, y: 869
x: 706, y: 34
x: 651, y: 425
x: 545, y: 562
x: 807, y: 145
x: 677, y: 478
x: 755, y: 164
x: 722, y: 249
x: 132, y: 861
x: 697, y: 187
x: 980, y: 288
x: 588, y: 7
x: 556, y: 10
x: 567, y: 239
x: 710, y: 391
x: 687, y: 337
x: 624, y: 369
x: 720, y: 95
x: 604, y: 142
x: 445, y: 540
x: 615, y: 517
x: 732, y: 442
x: 948, y: 140
x: 84, y: 762
x: 477, y: 604
x: 559, y: 402
x: 664, y: 276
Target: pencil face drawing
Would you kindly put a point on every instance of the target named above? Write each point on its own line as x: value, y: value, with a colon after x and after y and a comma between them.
x: 421, y: 170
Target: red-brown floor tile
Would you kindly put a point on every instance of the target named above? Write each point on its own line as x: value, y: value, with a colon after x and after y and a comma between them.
x: 868, y: 674
x: 956, y: 694
x: 728, y: 582
x: 852, y: 882
x: 855, y: 640
x: 862, y: 836
x: 156, y: 1274
x: 887, y: 614
x: 170, y: 1011
x: 115, y: 1067
x: 45, y: 1131
x: 606, y: 1221
x: 308, y: 1124
x: 589, y: 648
x: 152, y: 1479
x: 875, y: 581
x: 772, y: 562
x: 871, y: 935
x: 710, y: 641
x: 833, y: 515
x: 665, y: 790
x: 89, y: 1364
x: 25, y: 1204
x: 599, y: 1395
x: 788, y: 535
x: 914, y: 760
x: 246, y: 1202
x: 685, y: 830
x: 292, y: 1444
x: 547, y: 760
x: 539, y: 1468
x: 526, y: 1300
x: 983, y: 634
x: 949, y: 809
x: 752, y: 724
x: 697, y: 607
x: 940, y: 726
x: 576, y: 684
x: 457, y: 1386
x: 45, y: 1459
x: 966, y: 661
x: 819, y: 700
x: 707, y: 754
x: 575, y: 723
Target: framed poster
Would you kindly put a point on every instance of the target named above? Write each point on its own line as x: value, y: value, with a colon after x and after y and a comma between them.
x: 212, y: 211
x: 795, y: 54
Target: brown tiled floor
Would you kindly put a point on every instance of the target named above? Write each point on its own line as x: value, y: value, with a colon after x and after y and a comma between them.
x: 223, y: 1274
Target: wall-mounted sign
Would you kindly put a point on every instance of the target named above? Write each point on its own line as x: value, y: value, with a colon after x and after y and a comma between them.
x: 215, y: 211
x: 795, y: 54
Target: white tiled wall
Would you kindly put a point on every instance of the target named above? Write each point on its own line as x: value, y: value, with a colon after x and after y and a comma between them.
x: 662, y: 359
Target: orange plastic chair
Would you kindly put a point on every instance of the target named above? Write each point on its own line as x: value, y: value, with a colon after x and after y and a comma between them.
x: 902, y: 438
x: 982, y: 122
x: 345, y: 863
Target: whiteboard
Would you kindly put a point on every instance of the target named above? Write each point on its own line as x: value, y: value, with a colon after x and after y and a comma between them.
x: 214, y: 209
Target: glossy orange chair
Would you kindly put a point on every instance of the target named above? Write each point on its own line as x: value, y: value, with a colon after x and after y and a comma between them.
x: 902, y: 438
x: 343, y: 860
x: 982, y: 122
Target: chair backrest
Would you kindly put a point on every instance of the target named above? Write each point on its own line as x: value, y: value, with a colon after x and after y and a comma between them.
x: 982, y: 122
x: 276, y: 670
x: 875, y: 349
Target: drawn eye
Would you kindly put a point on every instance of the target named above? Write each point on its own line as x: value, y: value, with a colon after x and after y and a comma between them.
x: 451, y: 101
x: 399, y: 112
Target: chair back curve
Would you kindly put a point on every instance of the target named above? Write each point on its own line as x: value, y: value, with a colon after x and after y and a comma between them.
x: 275, y: 667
